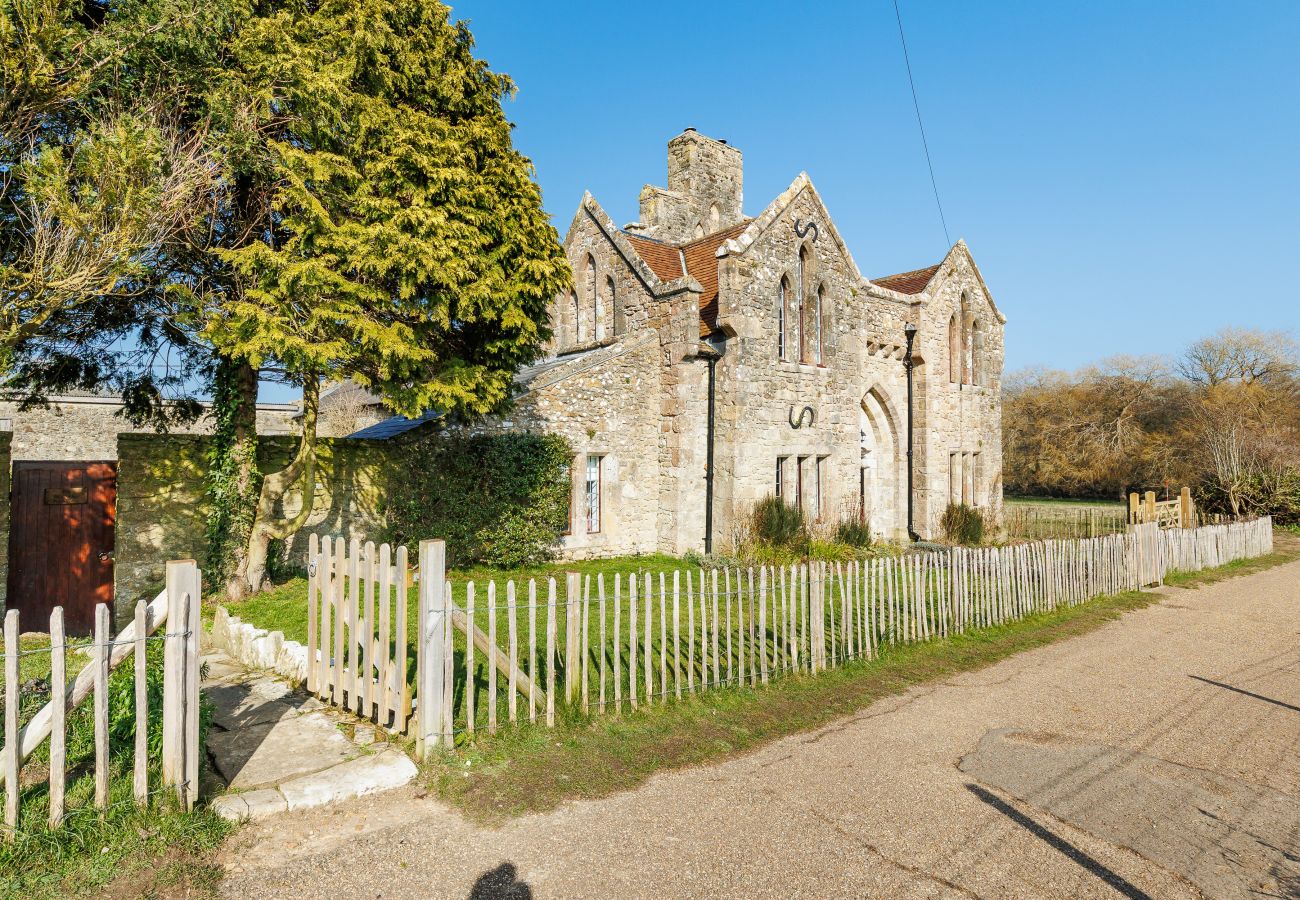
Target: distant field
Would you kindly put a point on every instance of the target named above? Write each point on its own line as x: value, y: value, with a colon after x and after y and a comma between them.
x: 1063, y: 502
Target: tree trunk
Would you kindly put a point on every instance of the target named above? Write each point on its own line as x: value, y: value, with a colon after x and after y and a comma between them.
x: 300, y: 476
x: 233, y: 472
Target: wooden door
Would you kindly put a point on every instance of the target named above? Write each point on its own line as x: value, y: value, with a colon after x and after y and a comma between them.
x: 61, y: 541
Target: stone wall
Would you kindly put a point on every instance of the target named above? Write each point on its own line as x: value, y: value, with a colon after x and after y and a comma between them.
x: 162, y: 513
x: 584, y: 397
x: 5, y: 466
x: 86, y: 428
x: 858, y: 389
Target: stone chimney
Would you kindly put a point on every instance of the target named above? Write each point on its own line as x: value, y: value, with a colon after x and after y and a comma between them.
x: 704, y: 192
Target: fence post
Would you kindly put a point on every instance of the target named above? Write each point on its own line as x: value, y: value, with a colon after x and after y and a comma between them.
x: 1185, y: 517
x: 12, y: 765
x: 1133, y: 517
x: 180, y: 752
x: 433, y: 622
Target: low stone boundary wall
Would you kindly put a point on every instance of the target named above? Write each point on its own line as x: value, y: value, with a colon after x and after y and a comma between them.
x: 258, y: 648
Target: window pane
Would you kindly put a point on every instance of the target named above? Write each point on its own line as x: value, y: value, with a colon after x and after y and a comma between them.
x: 593, y: 493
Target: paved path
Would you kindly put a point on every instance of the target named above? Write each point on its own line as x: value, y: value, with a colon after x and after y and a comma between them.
x: 275, y: 749
x: 1153, y: 757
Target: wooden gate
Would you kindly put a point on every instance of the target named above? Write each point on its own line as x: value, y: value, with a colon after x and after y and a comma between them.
x: 61, y: 540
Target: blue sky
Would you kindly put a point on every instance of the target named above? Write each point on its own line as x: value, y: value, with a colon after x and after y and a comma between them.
x: 1126, y: 174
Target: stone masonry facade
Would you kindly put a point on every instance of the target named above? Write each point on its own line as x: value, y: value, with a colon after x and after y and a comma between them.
x: 768, y: 323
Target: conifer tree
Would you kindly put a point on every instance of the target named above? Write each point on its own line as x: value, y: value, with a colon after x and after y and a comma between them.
x: 366, y: 217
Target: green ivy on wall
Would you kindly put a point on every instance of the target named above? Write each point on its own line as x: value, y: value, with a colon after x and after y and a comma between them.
x: 499, y: 500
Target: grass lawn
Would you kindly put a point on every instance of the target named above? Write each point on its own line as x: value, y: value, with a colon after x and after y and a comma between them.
x: 124, y: 851
x: 532, y: 770
x: 1064, y: 502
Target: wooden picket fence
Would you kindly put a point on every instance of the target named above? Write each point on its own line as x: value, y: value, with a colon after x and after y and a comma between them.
x: 177, y: 606
x: 638, y: 639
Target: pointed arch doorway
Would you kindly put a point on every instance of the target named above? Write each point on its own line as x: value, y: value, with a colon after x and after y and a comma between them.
x: 880, y: 485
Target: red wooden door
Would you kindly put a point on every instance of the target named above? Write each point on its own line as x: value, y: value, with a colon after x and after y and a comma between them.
x: 61, y: 541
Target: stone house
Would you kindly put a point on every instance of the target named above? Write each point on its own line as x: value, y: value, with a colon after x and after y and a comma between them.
x: 706, y: 359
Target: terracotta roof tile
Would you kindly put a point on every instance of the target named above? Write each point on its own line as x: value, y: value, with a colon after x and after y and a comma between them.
x: 663, y: 259
x: 702, y: 262
x: 913, y: 282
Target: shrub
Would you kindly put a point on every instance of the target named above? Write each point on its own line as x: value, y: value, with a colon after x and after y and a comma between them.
x: 498, y: 500
x: 853, y: 532
x: 778, y: 524
x: 962, y: 524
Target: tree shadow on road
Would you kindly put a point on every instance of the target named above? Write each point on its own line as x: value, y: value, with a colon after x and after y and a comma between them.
x: 1114, y: 879
x: 1228, y: 687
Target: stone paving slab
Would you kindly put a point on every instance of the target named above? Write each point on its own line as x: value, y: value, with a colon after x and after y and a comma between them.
x: 260, y: 755
x: 278, y: 749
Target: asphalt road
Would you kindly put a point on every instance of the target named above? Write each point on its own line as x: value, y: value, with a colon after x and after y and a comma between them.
x: 1154, y: 757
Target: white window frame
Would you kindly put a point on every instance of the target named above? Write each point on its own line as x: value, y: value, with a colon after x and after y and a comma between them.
x: 593, y: 490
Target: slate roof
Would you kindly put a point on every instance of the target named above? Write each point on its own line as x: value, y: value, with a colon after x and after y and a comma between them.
x: 398, y: 425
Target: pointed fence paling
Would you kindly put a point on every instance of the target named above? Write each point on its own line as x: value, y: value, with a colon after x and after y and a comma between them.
x: 488, y: 653
x: 178, y: 608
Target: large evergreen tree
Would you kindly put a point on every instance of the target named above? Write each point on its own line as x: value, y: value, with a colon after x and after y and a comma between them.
x: 367, y: 217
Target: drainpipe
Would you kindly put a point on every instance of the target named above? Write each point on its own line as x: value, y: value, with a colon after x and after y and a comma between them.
x: 711, y: 357
x: 910, y: 331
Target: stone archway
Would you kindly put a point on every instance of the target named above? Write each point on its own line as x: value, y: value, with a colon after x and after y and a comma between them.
x: 882, y: 480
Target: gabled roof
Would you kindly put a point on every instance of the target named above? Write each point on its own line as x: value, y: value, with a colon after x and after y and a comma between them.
x: 913, y: 282
x: 702, y: 263
x: 700, y: 258
x: 664, y: 260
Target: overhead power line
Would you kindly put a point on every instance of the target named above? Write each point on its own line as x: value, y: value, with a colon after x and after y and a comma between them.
x: 916, y: 104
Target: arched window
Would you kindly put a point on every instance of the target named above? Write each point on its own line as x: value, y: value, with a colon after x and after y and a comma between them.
x: 801, y: 304
x: 714, y: 218
x: 783, y: 298
x: 976, y: 351
x: 954, y: 349
x: 587, y: 329
x: 615, y: 302
x: 965, y: 340
x: 818, y: 325
x: 575, y: 309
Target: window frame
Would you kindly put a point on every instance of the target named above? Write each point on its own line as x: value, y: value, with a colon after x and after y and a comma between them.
x: 599, y: 459
x: 783, y: 292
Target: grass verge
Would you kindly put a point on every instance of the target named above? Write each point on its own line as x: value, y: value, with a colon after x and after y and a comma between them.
x: 127, y: 853
x: 533, y: 769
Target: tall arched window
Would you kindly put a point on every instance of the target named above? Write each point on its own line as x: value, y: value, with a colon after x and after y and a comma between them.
x: 587, y: 329
x: 818, y: 325
x: 965, y: 340
x: 954, y: 349
x: 616, y: 304
x: 801, y: 304
x: 575, y: 310
x: 976, y: 350
x: 782, y: 298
